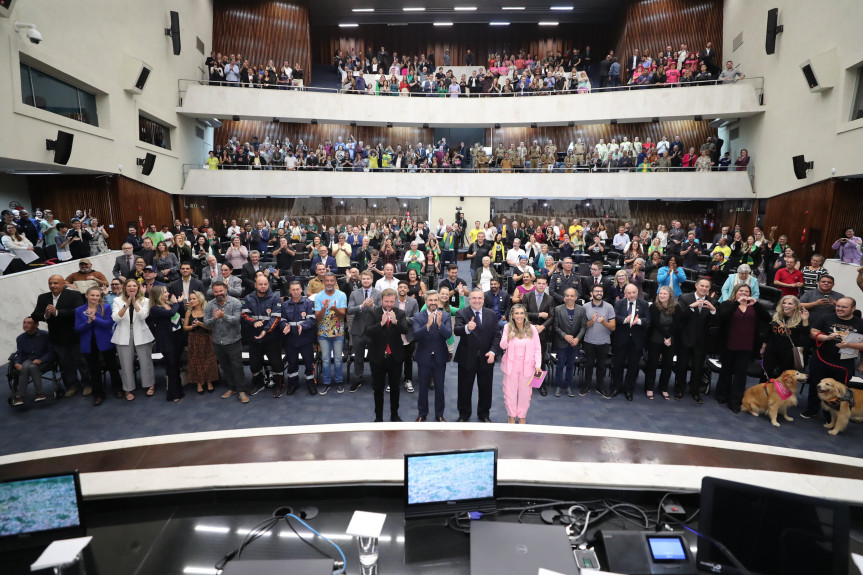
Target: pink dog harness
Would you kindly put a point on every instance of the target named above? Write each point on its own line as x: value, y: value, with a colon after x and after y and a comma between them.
x: 782, y: 391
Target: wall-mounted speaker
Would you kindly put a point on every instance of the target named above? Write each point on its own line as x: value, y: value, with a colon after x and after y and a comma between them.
x: 147, y: 163
x: 62, y: 147
x: 136, y: 74
x: 801, y: 166
x: 6, y: 7
x: 821, y: 71
x: 174, y: 32
x: 773, y: 29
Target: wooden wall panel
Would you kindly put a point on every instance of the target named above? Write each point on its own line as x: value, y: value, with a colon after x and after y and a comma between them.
x: 653, y: 25
x: 847, y: 212
x: 136, y: 198
x: 691, y: 133
x: 312, y: 135
x: 480, y: 39
x: 262, y: 30
x: 812, y: 208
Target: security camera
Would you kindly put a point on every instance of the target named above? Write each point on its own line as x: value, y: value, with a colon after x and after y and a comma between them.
x: 33, y: 34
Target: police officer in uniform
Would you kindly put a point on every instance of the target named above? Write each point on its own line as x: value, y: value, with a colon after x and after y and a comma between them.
x: 579, y: 152
x: 551, y: 154
x: 298, y: 316
x: 498, y: 155
x: 569, y: 162
x: 562, y: 280
x: 261, y: 319
x: 535, y: 155
x: 522, y: 154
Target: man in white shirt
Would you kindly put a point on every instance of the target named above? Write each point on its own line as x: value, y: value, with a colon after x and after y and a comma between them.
x: 169, y: 237
x: 515, y: 253
x: 621, y: 240
x: 663, y: 146
x: 290, y: 161
x: 388, y: 281
x: 234, y: 230
x: 441, y: 228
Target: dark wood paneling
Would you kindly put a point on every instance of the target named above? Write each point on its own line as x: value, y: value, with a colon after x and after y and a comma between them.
x: 480, y: 39
x: 314, y: 134
x: 653, y: 25
x: 692, y: 133
x: 137, y: 198
x: 847, y: 212
x: 263, y: 30
x: 810, y: 208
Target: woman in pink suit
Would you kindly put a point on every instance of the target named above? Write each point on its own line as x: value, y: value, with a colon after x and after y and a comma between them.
x: 522, y: 360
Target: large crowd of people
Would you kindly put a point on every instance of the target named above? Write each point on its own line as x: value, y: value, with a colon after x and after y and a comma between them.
x: 579, y: 156
x: 296, y: 295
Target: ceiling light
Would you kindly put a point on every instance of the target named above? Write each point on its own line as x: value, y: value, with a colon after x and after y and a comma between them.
x: 363, y: 10
x: 513, y: 8
x: 465, y: 8
x: 498, y: 23
x: 443, y: 23
x: 348, y: 25
x: 548, y: 23
x: 414, y: 9
x: 562, y: 8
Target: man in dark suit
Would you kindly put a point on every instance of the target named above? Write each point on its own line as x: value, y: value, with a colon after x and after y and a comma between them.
x: 186, y: 284
x: 479, y: 344
x: 57, y: 309
x: 249, y: 271
x: 498, y: 301
x: 632, y: 63
x: 632, y: 318
x: 361, y: 303
x: 708, y: 58
x: 124, y: 264
x: 431, y: 328
x: 540, y: 308
x: 699, y: 315
x: 386, y: 352
x: 595, y: 278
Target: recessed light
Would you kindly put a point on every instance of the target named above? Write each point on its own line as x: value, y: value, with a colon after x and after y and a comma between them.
x: 443, y: 23
x: 562, y: 8
x: 465, y: 8
x: 414, y: 9
x: 498, y: 23
x: 348, y: 25
x: 548, y: 23
x: 512, y: 8
x: 363, y: 10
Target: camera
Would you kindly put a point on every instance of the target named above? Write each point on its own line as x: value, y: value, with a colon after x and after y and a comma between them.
x: 458, y: 208
x: 34, y: 36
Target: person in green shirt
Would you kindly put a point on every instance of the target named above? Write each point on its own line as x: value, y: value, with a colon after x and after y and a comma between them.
x: 443, y: 297
x: 212, y: 161
x: 49, y: 228
x: 414, y: 259
x: 154, y: 235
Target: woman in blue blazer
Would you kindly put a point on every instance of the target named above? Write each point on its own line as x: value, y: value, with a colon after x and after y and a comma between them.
x: 671, y: 275
x: 95, y: 326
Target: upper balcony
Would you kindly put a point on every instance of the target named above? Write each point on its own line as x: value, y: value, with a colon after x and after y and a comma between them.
x: 624, y: 105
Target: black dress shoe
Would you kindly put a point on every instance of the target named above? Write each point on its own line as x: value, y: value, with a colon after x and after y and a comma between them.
x: 628, y: 396
x: 462, y: 419
x: 734, y: 408
x: 721, y: 401
x: 98, y: 400
x: 440, y: 419
x: 395, y: 418
x: 420, y: 418
x: 543, y: 391
x: 291, y: 389
x: 379, y: 420
x: 484, y: 420
x: 698, y: 399
x: 312, y: 389
x: 605, y: 395
x: 678, y: 396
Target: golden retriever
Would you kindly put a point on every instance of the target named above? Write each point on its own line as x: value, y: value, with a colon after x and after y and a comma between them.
x: 841, y: 402
x: 764, y: 398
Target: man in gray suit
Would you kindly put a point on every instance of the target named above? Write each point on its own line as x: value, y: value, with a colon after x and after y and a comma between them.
x: 211, y: 272
x: 125, y: 263
x: 360, y: 306
x: 234, y: 283
x: 410, y: 306
x: 570, y: 323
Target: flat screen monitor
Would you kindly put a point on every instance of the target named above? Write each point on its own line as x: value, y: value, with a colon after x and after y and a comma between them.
x: 449, y: 482
x: 770, y: 531
x: 37, y: 510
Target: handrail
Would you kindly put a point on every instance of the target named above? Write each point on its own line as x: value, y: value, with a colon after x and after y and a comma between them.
x: 182, y: 86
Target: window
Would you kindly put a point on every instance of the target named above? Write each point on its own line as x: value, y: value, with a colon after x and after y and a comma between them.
x: 152, y: 132
x: 46, y: 92
x: 857, y: 103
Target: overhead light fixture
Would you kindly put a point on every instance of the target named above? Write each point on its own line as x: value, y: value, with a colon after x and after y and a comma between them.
x: 533, y: 125
x: 465, y: 8
x: 562, y: 8
x: 498, y: 23
x: 512, y: 8
x: 314, y: 122
x: 33, y: 172
x: 571, y: 124
x: 614, y: 122
x: 397, y: 23
x: 443, y: 23
x: 548, y: 23
x: 235, y: 118
x: 363, y: 10
x: 389, y: 124
x: 655, y: 120
x: 348, y: 25
x: 416, y: 9
x: 276, y: 120
x: 699, y: 118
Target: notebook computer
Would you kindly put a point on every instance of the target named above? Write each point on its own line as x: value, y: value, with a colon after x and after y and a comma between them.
x: 519, y: 549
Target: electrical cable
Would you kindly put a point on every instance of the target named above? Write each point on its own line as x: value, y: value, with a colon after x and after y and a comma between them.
x: 304, y: 540
x: 723, y: 549
x: 339, y: 549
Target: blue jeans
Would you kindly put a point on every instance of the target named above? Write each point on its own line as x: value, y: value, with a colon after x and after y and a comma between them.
x: 331, y: 345
x: 565, y: 366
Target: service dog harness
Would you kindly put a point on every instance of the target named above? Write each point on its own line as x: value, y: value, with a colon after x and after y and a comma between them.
x: 848, y: 396
x: 781, y: 390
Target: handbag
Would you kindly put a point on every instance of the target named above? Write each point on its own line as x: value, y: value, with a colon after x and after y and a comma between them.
x: 796, y: 353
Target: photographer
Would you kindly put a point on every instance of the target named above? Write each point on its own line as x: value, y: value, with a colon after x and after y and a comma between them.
x: 848, y: 248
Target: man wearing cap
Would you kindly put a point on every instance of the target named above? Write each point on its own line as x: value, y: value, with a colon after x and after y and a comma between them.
x: 150, y: 279
x: 86, y: 273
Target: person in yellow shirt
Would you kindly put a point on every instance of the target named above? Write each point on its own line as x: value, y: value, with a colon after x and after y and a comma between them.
x: 212, y: 161
x: 471, y: 236
x: 574, y: 228
x: 722, y: 247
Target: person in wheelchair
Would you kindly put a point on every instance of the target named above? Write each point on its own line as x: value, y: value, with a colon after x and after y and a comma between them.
x: 34, y: 354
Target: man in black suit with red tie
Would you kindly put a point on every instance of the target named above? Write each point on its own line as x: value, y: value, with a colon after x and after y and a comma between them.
x: 478, y: 329
x: 540, y: 312
x: 632, y: 318
x: 595, y: 278
x: 386, y: 352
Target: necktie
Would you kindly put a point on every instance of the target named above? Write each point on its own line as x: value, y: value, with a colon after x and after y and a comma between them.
x: 538, y: 300
x: 389, y: 351
x: 367, y: 294
x: 630, y: 308
x: 129, y: 260
x: 477, y: 317
x: 596, y: 281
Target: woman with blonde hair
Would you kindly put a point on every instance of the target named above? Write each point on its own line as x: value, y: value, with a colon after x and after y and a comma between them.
x: 521, y: 362
x: 202, y: 368
x: 789, y: 328
x: 94, y: 326
x: 621, y: 280
x: 132, y: 337
x: 166, y: 325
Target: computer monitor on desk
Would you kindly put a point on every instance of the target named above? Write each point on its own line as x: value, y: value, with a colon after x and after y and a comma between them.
x: 444, y: 483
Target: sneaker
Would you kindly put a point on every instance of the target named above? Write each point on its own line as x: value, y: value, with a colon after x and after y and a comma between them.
x: 582, y: 391
x: 569, y: 392
x: 558, y: 392
x: 388, y: 389
x: 278, y: 391
x: 87, y: 391
x: 325, y: 389
x: 409, y: 387
x: 604, y: 394
x: 229, y: 393
x: 356, y: 385
x: 808, y: 414
x: 340, y: 388
x: 17, y: 400
x: 40, y: 397
x: 71, y: 392
x: 243, y: 397
x: 257, y: 390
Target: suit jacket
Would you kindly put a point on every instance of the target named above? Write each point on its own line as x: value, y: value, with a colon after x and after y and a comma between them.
x: 667, y: 331
x: 206, y: 278
x: 411, y: 309
x: 176, y: 288
x: 431, y: 340
x: 587, y: 286
x: 138, y: 326
x: 359, y: 318
x: 478, y: 274
x: 102, y: 327
x: 249, y: 274
x: 235, y: 287
x: 624, y: 332
x: 504, y: 302
x: 563, y: 326
x: 61, y: 327
x: 382, y: 335
x: 121, y: 268
x: 485, y: 338
x: 533, y: 311
x: 696, y: 325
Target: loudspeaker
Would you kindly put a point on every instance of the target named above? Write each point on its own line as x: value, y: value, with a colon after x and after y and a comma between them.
x: 6, y: 7
x: 174, y: 32
x: 773, y: 29
x: 62, y: 147
x: 147, y: 163
x: 821, y: 71
x: 801, y: 166
x: 135, y: 74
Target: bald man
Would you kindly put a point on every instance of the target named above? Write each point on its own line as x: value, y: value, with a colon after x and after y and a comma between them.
x: 631, y: 319
x: 57, y: 309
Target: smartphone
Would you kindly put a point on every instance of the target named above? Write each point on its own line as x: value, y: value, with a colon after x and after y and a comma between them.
x: 272, y: 269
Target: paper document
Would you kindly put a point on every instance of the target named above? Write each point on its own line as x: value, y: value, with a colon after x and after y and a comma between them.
x: 848, y: 353
x: 26, y: 256
x: 366, y: 524
x: 60, y: 552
